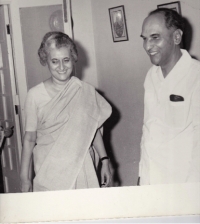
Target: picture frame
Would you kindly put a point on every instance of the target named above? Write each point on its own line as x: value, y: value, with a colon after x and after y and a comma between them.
x: 118, y: 23
x: 172, y: 5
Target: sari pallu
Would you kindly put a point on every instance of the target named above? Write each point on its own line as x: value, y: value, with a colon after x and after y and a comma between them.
x: 66, y: 127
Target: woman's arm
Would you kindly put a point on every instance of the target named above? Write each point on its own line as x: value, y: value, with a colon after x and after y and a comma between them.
x: 27, y: 150
x: 105, y: 169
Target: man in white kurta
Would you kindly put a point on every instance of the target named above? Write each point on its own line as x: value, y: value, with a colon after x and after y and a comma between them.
x: 170, y: 146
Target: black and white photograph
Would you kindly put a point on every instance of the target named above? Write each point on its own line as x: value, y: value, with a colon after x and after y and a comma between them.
x: 99, y: 110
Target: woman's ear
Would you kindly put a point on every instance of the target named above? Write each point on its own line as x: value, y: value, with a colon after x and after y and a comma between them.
x: 177, y: 36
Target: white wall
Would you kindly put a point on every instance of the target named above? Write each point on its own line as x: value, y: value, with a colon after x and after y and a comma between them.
x: 83, y: 35
x: 121, y: 69
x: 191, y: 11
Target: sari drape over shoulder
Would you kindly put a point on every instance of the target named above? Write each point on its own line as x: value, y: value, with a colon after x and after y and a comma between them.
x: 66, y: 128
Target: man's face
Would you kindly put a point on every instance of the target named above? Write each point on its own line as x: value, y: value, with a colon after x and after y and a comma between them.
x: 158, y: 40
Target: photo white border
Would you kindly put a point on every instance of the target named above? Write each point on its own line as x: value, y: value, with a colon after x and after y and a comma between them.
x: 101, y: 204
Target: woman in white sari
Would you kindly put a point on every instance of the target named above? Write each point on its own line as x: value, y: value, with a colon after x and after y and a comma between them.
x: 63, y: 117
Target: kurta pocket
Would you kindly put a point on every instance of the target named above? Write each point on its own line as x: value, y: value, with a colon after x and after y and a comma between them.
x: 176, y: 114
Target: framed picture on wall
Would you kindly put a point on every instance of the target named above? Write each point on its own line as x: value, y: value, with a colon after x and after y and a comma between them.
x: 172, y: 5
x: 118, y: 23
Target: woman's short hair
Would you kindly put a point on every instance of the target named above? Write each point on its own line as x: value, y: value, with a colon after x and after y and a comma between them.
x: 60, y: 40
x: 172, y: 18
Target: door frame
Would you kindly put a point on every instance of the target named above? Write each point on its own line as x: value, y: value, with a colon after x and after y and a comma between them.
x: 14, y: 94
x: 18, y: 53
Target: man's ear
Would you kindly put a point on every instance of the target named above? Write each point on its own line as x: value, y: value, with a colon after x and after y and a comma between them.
x: 177, y: 36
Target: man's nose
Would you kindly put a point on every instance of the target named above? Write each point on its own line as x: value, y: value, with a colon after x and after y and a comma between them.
x: 148, y: 45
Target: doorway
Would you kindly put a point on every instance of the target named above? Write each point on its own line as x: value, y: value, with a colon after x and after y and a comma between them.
x: 9, y: 109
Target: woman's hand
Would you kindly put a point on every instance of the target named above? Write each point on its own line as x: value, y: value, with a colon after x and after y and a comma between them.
x: 106, y: 175
x: 26, y: 186
x: 27, y: 151
x: 105, y: 162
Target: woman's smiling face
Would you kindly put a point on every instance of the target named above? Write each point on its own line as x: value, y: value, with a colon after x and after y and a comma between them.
x: 60, y: 63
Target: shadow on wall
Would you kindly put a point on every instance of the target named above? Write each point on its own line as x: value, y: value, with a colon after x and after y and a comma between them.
x: 83, y: 61
x: 187, y: 37
x: 107, y: 138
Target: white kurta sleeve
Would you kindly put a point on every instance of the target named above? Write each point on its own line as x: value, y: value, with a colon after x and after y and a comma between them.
x: 194, y: 171
x: 30, y: 113
x: 149, y: 103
